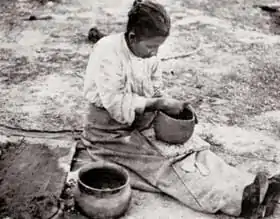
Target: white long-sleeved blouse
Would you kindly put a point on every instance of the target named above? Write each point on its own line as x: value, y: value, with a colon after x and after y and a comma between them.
x: 119, y: 81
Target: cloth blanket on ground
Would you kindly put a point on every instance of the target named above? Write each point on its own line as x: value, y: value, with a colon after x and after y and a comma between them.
x: 189, y: 173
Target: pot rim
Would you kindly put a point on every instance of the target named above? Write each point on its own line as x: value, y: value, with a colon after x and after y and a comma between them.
x: 174, y: 119
x: 105, y: 165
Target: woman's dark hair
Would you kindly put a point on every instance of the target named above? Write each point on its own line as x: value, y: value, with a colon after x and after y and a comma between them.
x: 148, y: 19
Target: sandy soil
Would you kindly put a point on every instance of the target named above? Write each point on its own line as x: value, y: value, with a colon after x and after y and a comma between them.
x: 234, y: 78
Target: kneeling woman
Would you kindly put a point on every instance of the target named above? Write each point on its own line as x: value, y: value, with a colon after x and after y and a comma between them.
x: 123, y: 88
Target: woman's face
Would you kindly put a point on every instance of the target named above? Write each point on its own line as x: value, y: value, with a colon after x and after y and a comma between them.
x: 146, y: 47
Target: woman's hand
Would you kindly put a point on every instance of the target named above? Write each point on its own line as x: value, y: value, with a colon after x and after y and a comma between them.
x: 167, y: 105
x: 171, y: 106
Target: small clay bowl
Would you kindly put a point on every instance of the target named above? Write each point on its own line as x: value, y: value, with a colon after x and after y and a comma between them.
x: 175, y: 129
x: 103, y: 190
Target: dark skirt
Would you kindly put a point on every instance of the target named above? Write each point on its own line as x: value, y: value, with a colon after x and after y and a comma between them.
x: 211, y: 186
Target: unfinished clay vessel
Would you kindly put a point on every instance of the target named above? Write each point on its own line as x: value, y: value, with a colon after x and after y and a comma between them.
x: 175, y: 129
x: 103, y: 190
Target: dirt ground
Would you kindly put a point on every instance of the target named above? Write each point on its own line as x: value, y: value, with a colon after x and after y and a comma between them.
x: 233, y: 79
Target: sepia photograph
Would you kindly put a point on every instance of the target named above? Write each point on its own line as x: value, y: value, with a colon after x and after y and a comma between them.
x: 139, y: 109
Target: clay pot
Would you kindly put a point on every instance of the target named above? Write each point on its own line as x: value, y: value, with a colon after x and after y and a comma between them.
x: 176, y: 129
x: 103, y: 190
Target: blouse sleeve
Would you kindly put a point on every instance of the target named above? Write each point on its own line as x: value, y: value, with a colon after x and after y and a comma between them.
x: 110, y: 82
x: 157, y: 79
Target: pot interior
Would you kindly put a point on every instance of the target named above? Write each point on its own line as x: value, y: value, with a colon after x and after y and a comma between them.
x: 103, y: 178
x: 186, y: 114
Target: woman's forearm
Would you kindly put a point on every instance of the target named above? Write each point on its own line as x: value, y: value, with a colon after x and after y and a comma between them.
x: 153, y: 104
x: 169, y: 106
